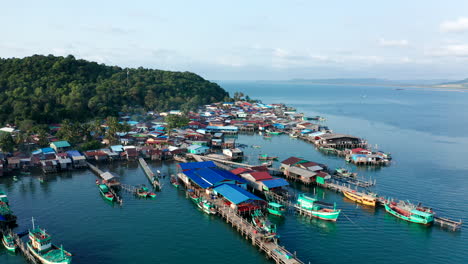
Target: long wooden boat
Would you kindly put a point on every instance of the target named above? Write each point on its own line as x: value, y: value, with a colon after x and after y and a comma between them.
x: 206, y: 207
x: 40, y: 245
x: 105, y: 192
x: 317, y: 208
x: 276, y: 209
x: 362, y: 198
x: 409, y: 212
x: 9, y: 243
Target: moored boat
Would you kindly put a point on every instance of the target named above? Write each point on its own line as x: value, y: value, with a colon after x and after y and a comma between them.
x: 3, y: 197
x: 6, y: 215
x: 260, y: 221
x: 40, y: 245
x: 142, y: 192
x: 9, y: 242
x: 174, y: 182
x: 362, y: 198
x: 342, y: 172
x: 276, y: 209
x: 266, y: 157
x: 206, y: 207
x: 318, y: 209
x: 274, y: 132
x: 106, y: 193
x: 410, y: 212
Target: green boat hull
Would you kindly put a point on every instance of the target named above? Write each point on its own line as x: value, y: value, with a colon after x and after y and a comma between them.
x: 406, y: 218
x: 327, y: 216
x: 275, y: 212
x: 9, y: 246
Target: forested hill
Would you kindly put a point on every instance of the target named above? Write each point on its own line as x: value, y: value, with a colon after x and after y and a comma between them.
x: 48, y: 89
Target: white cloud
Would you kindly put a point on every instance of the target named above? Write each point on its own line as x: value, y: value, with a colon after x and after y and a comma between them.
x: 393, y: 43
x: 457, y: 26
x: 458, y: 50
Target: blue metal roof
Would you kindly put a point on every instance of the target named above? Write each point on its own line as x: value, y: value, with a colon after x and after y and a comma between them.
x: 210, y: 176
x: 196, y: 179
x: 197, y: 165
x: 48, y: 150
x: 230, y: 176
x: 74, y: 153
x: 278, y: 182
x: 235, y: 194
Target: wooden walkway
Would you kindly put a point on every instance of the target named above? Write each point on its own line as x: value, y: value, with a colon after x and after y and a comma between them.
x: 264, y: 242
x: 151, y: 177
x: 22, y: 247
x: 99, y: 172
x: 448, y: 223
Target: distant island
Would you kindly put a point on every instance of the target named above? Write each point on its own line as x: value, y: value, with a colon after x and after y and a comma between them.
x: 47, y: 89
x: 369, y: 81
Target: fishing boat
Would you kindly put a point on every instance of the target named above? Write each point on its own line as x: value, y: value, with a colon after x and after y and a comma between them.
x: 318, y: 209
x: 142, y: 192
x: 362, y: 198
x: 260, y: 221
x: 327, y: 150
x: 206, y: 207
x: 268, y: 163
x: 256, y: 146
x: 174, y: 182
x: 410, y: 212
x: 266, y: 157
x: 276, y: 209
x: 148, y: 192
x: 193, y: 196
x: 9, y: 242
x: 15, y: 178
x: 342, y: 172
x: 274, y: 132
x: 293, y: 135
x: 40, y: 245
x: 3, y: 197
x: 106, y: 193
x: 6, y: 215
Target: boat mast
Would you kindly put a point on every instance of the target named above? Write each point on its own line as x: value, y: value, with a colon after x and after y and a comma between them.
x: 33, y: 222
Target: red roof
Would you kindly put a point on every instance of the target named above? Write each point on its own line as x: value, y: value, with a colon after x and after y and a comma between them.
x: 291, y: 161
x: 259, y: 168
x: 359, y: 150
x: 322, y: 174
x: 261, y: 175
x: 309, y: 164
x: 239, y: 171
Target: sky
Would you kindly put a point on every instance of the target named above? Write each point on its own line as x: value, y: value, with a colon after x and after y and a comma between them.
x: 249, y: 40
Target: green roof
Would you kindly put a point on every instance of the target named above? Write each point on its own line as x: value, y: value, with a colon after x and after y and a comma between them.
x: 61, y: 144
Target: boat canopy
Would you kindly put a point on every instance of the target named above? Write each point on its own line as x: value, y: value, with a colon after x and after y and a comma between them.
x: 423, y: 214
x: 277, y: 205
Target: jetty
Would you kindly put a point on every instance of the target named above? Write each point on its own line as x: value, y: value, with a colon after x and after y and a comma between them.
x: 265, y: 243
x: 109, y: 179
x: 151, y: 177
x: 448, y: 223
x: 22, y: 247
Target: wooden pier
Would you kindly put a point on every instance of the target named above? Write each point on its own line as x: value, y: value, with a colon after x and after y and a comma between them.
x: 263, y: 241
x: 22, y: 247
x: 151, y: 177
x: 448, y: 223
x: 100, y: 173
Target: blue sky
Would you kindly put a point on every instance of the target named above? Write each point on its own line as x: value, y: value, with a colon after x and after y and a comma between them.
x: 249, y: 40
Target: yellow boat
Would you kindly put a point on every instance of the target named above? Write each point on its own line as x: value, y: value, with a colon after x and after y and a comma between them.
x: 361, y: 198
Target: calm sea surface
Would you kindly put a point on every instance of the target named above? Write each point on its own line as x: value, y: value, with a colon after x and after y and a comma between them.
x: 425, y: 130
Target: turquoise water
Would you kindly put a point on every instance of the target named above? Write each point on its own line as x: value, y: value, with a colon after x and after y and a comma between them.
x: 424, y: 130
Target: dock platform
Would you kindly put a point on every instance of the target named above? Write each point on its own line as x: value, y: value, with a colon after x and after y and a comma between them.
x: 150, y: 174
x: 22, y: 247
x: 103, y: 175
